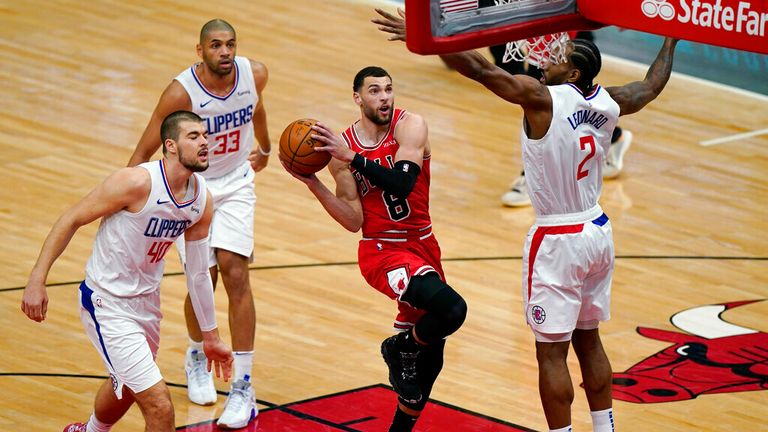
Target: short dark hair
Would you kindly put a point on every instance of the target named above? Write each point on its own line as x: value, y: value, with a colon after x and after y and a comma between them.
x: 216, y: 24
x: 585, y: 57
x: 369, y: 71
x: 170, y: 127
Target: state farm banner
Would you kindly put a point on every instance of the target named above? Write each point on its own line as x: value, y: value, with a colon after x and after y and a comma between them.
x: 740, y: 24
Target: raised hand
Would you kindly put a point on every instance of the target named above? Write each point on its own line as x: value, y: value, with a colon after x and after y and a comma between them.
x: 391, y: 24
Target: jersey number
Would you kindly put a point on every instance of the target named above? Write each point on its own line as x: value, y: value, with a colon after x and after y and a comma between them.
x: 583, y: 143
x: 227, y: 143
x: 397, y: 208
x: 157, y: 251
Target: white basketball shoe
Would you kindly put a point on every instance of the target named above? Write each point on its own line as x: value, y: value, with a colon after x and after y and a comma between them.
x: 200, y: 387
x: 517, y: 195
x: 614, y: 160
x: 240, y: 407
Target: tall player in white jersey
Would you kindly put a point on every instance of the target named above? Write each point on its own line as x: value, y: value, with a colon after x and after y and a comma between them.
x: 226, y: 91
x: 144, y: 209
x: 568, y: 256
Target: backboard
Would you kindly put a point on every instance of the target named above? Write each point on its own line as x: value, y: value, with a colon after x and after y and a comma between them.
x: 443, y: 26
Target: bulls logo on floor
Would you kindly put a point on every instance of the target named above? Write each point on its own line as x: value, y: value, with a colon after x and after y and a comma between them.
x: 366, y: 409
x: 714, y: 356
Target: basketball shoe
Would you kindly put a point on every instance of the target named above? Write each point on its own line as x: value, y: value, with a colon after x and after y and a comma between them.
x: 402, y: 368
x: 517, y: 195
x: 200, y: 388
x: 240, y: 407
x: 614, y: 161
x: 76, y: 427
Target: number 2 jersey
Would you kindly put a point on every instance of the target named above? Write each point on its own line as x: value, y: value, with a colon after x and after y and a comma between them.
x: 563, y: 169
x: 228, y: 118
x: 127, y: 258
x: 384, y: 215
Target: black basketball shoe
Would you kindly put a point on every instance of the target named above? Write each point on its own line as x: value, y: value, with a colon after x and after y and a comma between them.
x: 402, y: 367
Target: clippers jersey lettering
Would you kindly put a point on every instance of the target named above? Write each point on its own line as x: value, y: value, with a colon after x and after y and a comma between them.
x: 383, y: 213
x: 564, y: 168
x: 229, y: 118
x: 127, y: 258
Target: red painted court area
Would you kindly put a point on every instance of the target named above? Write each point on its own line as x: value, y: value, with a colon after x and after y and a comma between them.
x: 369, y: 409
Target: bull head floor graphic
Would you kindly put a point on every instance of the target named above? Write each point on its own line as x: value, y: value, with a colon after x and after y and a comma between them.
x: 714, y: 356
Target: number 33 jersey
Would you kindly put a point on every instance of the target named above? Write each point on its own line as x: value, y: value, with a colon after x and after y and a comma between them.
x: 563, y: 169
x: 127, y: 257
x: 228, y: 118
x: 384, y: 215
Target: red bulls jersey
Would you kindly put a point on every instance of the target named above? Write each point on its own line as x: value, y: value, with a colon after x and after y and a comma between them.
x: 384, y: 215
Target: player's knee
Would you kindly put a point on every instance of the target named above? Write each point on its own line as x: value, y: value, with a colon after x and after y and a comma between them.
x: 430, y: 293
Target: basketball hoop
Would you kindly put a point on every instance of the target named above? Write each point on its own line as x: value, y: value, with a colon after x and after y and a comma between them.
x: 538, y: 50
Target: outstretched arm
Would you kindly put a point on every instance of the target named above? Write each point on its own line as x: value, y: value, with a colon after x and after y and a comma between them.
x: 126, y: 188
x: 201, y: 292
x: 632, y: 97
x: 519, y: 89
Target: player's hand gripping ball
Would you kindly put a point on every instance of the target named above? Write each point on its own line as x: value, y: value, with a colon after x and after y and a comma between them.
x: 297, y: 149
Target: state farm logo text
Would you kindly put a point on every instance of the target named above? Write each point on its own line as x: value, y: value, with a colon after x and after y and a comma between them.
x: 740, y: 19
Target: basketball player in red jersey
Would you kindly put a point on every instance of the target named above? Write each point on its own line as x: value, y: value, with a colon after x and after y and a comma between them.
x: 568, y: 257
x: 381, y: 168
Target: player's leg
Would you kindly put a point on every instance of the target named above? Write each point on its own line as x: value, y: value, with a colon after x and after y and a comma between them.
x: 595, y: 366
x: 429, y: 365
x: 156, y: 407
x: 126, y: 333
x: 232, y: 240
x: 445, y: 313
x: 596, y: 374
x: 555, y: 386
x: 108, y: 409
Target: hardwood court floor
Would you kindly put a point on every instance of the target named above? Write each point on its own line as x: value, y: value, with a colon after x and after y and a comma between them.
x: 81, y: 79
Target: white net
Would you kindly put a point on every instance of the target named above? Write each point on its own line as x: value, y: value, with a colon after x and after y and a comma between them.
x: 538, y: 50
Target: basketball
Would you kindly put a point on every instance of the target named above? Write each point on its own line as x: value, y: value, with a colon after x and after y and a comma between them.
x: 297, y: 148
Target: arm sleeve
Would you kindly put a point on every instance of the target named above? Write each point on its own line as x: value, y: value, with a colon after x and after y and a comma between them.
x: 398, y: 181
x: 199, y: 283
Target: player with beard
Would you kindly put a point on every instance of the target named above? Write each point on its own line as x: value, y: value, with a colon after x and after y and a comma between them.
x: 226, y: 91
x: 143, y: 210
x: 568, y: 256
x: 381, y: 168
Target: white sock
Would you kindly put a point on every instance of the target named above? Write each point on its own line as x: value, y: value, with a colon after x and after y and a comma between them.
x: 565, y: 429
x: 195, y: 346
x: 243, y: 365
x: 94, y: 425
x: 602, y: 421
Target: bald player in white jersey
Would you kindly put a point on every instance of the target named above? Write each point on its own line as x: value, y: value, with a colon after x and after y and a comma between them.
x: 568, y: 256
x: 226, y: 91
x: 143, y: 210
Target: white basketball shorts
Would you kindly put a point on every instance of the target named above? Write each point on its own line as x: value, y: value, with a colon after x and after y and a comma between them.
x: 233, y: 209
x: 567, y: 274
x: 126, y: 332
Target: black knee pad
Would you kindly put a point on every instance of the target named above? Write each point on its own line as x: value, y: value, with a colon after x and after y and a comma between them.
x: 446, y: 309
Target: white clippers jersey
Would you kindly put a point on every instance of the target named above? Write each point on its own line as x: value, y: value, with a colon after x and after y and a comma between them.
x: 228, y: 118
x: 563, y: 169
x: 127, y: 258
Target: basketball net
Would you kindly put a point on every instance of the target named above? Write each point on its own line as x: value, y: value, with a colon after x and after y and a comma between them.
x: 538, y: 50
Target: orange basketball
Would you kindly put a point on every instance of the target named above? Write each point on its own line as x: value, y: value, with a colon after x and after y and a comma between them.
x: 297, y: 148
